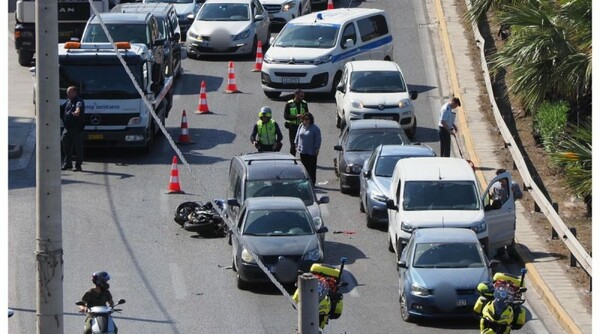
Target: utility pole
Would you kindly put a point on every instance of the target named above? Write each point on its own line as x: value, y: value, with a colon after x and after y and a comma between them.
x: 49, y: 252
x: 308, y: 306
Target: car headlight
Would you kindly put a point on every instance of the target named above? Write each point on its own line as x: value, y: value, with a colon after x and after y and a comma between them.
x: 242, y: 35
x: 134, y: 121
x: 353, y: 169
x: 377, y: 196
x: 193, y: 35
x: 288, y: 5
x: 406, y: 227
x: 356, y: 104
x: 246, y: 257
x: 322, y: 60
x: 313, y: 255
x: 404, y: 104
x: 267, y: 59
x: 481, y: 227
x: 419, y: 290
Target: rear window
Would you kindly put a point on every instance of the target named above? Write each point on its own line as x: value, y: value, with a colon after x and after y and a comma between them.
x: 368, y: 140
x: 447, y: 255
x: 440, y: 195
x: 278, y: 223
x: 377, y: 82
x: 290, y: 188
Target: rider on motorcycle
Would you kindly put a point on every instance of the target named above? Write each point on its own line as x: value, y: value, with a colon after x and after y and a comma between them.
x: 96, y: 296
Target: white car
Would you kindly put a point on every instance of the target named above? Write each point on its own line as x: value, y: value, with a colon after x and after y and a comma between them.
x: 228, y: 27
x: 282, y: 11
x: 375, y: 89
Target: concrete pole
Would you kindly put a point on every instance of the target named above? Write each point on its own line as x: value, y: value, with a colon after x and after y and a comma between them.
x: 49, y: 252
x: 308, y: 305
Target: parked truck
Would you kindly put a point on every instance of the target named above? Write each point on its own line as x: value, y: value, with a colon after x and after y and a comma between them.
x: 72, y: 18
x: 116, y: 115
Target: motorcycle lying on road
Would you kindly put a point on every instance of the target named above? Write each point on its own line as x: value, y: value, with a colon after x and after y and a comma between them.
x: 102, y: 321
x: 331, y: 303
x: 499, y: 303
x: 203, y: 219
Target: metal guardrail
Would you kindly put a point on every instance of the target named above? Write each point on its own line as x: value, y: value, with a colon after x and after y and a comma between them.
x: 574, y: 246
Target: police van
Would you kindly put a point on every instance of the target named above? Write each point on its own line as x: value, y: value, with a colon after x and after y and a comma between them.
x: 310, y: 51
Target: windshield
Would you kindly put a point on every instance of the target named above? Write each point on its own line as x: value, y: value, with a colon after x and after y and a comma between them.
x: 224, y: 12
x: 172, y: 1
x: 447, y: 255
x: 385, y: 165
x: 290, y: 188
x: 278, y: 223
x: 440, y: 195
x: 99, y: 81
x: 134, y: 33
x: 377, y: 82
x: 308, y: 36
x: 369, y: 139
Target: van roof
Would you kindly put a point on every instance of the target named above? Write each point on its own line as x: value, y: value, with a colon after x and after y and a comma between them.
x: 439, y: 234
x: 336, y: 16
x: 435, y: 168
x: 128, y: 18
x: 150, y: 7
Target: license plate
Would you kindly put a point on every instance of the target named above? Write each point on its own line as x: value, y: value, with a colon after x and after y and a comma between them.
x: 95, y: 137
x: 461, y: 302
x: 290, y: 80
x: 383, y: 117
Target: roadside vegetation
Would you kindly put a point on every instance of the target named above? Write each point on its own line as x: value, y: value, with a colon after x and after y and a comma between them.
x: 547, y: 55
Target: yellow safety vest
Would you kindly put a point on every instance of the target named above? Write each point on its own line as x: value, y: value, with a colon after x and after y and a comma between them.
x: 294, y: 111
x: 266, y: 132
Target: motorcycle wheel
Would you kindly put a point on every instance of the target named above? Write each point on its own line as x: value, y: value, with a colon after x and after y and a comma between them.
x: 183, y: 210
x: 404, y: 309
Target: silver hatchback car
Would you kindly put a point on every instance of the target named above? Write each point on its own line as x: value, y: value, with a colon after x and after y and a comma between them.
x: 376, y: 176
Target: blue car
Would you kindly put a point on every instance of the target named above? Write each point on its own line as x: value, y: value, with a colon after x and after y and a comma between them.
x: 376, y: 176
x: 439, y: 271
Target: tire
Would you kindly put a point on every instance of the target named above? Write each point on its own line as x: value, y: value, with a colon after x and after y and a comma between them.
x: 390, y: 245
x: 183, y: 210
x: 370, y: 222
x: 399, y: 249
x: 233, y: 267
x: 412, y: 131
x: 361, y: 206
x: 512, y: 250
x: 404, y: 309
x: 272, y: 95
x: 25, y: 58
x: 338, y: 121
x: 241, y: 284
x: 252, y: 53
x: 334, y: 83
x: 342, y: 189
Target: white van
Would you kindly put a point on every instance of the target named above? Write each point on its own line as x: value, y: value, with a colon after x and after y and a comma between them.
x: 310, y: 51
x: 443, y: 192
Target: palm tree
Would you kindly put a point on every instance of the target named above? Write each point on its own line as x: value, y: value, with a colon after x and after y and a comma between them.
x: 549, y: 52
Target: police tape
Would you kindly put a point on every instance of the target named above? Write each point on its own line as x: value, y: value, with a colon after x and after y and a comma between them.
x: 158, y: 122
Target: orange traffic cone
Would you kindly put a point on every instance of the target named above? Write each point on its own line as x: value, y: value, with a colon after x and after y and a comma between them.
x: 202, y: 104
x: 259, y: 58
x: 184, y: 137
x: 231, y: 86
x: 174, y: 179
x: 329, y: 4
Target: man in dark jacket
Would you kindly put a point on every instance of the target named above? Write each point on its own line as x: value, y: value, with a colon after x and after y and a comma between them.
x: 73, y: 117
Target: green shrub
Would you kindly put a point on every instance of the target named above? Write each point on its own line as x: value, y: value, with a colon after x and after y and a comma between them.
x: 549, y: 123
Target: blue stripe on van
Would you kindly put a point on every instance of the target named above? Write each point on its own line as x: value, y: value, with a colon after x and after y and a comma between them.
x: 361, y: 49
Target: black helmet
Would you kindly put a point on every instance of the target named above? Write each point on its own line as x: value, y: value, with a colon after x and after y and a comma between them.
x: 101, y: 278
x: 265, y: 111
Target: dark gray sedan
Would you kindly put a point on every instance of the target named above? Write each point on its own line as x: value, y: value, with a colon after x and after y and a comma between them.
x: 357, y: 142
x: 280, y: 233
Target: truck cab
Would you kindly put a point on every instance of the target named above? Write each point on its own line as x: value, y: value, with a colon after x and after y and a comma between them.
x: 116, y: 115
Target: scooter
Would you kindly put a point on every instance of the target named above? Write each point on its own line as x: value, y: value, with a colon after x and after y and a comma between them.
x: 329, y: 282
x: 102, y: 322
x: 499, y: 304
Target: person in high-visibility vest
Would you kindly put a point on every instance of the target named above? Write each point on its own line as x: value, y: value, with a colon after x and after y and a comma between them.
x: 266, y: 135
x: 294, y: 109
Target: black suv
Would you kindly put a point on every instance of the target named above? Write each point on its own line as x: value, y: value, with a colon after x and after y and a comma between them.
x: 169, y: 29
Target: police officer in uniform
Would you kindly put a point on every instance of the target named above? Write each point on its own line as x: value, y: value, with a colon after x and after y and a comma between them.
x: 294, y: 109
x: 266, y: 135
x: 73, y: 117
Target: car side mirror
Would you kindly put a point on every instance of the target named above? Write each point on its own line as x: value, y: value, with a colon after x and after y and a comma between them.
x: 341, y: 87
x: 258, y: 17
x: 348, y: 43
x: 402, y: 264
x: 324, y: 200
x: 323, y: 229
x: 176, y: 36
x: 233, y: 202
x: 366, y: 173
x: 390, y: 204
x: 413, y: 94
x: 494, y: 263
x: 159, y: 42
x: 338, y: 147
x: 271, y: 40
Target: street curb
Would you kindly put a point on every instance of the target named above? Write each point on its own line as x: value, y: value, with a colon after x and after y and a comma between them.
x: 551, y: 302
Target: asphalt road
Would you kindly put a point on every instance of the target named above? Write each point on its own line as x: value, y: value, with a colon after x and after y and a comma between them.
x: 117, y: 217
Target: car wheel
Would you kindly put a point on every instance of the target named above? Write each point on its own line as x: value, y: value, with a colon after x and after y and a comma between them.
x: 361, y: 206
x: 390, y: 245
x: 25, y: 58
x: 272, y: 95
x: 241, y: 284
x: 254, y: 47
x: 336, y: 81
x: 338, y: 121
x: 512, y: 250
x: 370, y: 222
x: 404, y: 308
x: 412, y: 131
x: 342, y: 189
x: 399, y: 249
